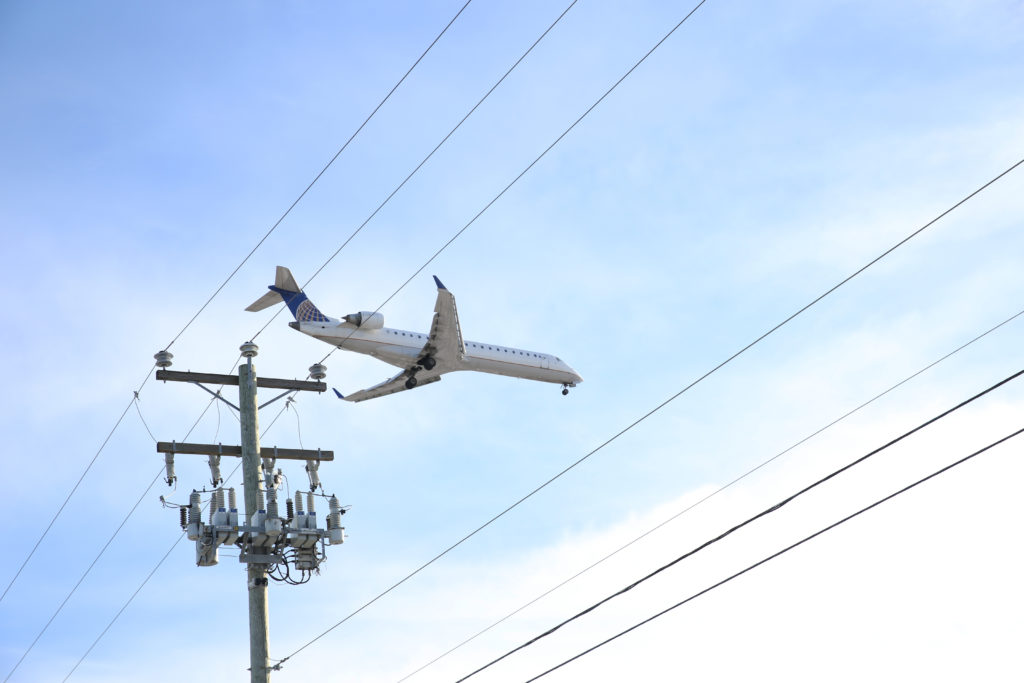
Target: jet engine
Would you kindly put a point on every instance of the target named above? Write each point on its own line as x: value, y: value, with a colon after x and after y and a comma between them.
x: 366, y: 320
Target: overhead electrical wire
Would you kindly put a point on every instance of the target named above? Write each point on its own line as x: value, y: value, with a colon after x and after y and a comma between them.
x: 110, y: 540
x: 784, y: 551
x: 421, y: 164
x: 159, y: 563
x: 653, y: 410
x: 764, y: 513
x: 81, y: 579
x: 226, y: 281
x: 142, y: 585
x: 74, y: 488
x: 531, y: 165
x: 322, y: 171
x: 708, y: 496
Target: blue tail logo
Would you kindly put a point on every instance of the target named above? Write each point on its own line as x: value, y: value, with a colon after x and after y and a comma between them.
x: 300, y: 306
x: 286, y: 289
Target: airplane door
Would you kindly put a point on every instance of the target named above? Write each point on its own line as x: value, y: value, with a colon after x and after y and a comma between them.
x: 544, y: 362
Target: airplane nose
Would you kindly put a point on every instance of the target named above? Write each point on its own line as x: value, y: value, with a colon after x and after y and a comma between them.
x: 294, y: 324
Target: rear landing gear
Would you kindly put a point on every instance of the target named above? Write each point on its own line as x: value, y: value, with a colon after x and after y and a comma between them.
x: 410, y: 383
x: 427, y: 362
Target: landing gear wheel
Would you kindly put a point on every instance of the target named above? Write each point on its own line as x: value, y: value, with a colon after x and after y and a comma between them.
x: 410, y: 383
x: 428, y: 363
x: 565, y: 391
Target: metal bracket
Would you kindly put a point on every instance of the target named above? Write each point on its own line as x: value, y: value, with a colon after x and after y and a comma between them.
x: 216, y: 394
x: 279, y: 396
x: 255, y: 558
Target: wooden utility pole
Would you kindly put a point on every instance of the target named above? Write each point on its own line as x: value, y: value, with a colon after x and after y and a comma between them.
x: 259, y: 636
x: 261, y: 534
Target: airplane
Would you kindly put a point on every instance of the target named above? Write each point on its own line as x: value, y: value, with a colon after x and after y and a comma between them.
x: 423, y: 358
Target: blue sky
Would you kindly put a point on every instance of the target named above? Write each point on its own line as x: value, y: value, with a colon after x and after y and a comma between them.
x: 763, y: 153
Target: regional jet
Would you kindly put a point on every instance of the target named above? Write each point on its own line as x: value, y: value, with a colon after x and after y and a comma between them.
x: 423, y: 358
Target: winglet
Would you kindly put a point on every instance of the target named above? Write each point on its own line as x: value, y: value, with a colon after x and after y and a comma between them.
x: 439, y: 283
x: 338, y: 393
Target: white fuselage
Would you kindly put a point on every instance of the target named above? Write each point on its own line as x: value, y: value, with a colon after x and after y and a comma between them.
x: 403, y: 348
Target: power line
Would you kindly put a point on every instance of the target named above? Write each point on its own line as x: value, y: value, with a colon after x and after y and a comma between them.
x: 110, y: 540
x: 649, y: 413
x: 229, y: 278
x: 74, y: 488
x: 81, y: 579
x: 137, y: 590
x: 764, y: 513
x: 132, y: 597
x: 318, y: 175
x: 420, y: 165
x: 783, y: 551
x: 533, y: 163
x: 709, y: 496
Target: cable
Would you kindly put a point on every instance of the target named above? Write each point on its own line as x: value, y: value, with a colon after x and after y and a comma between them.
x: 784, y: 551
x: 650, y: 412
x: 81, y: 579
x: 737, y: 527
x: 223, y: 284
x: 74, y: 488
x: 707, y: 497
x: 424, y: 161
x: 131, y: 598
x: 322, y: 171
x: 532, y: 164
x: 109, y: 540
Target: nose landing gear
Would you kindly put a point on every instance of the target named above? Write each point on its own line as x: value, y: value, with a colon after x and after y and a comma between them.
x: 565, y: 390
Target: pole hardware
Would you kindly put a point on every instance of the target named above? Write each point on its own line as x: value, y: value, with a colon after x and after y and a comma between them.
x: 288, y: 549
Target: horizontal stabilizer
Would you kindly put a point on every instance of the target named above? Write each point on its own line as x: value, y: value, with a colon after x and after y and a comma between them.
x: 283, y: 281
x: 265, y: 301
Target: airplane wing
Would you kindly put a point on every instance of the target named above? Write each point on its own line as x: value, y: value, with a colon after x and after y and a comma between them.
x: 392, y: 386
x: 442, y: 353
x: 445, y: 342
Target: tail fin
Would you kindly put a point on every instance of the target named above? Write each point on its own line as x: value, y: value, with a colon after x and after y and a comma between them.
x: 287, y: 290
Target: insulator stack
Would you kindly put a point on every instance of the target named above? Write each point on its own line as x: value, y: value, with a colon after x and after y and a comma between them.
x: 194, y: 509
x: 273, y: 523
x: 218, y: 515
x: 268, y: 464
x: 298, y: 503
x: 261, y: 504
x: 215, y: 470
x: 195, y: 520
x: 336, y: 532
x: 290, y: 509
x: 272, y: 503
x: 314, y: 477
x: 183, y: 514
x: 317, y: 371
x: 232, y: 500
x: 169, y: 464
